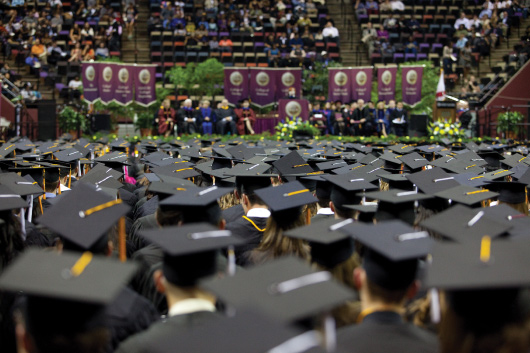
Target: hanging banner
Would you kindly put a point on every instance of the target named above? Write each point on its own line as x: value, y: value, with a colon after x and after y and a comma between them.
x: 340, y: 86
x: 144, y: 84
x: 262, y: 86
x: 236, y: 84
x: 107, y: 81
x: 362, y: 83
x: 386, y: 83
x: 90, y: 78
x: 287, y: 78
x: 123, y: 93
x: 293, y: 108
x: 411, y: 79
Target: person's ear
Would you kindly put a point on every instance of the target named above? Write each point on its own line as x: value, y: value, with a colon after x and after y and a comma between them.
x: 222, y: 224
x: 359, y: 277
x: 332, y: 206
x: 110, y: 248
x: 413, y: 289
x: 160, y: 281
x: 237, y: 194
x: 245, y: 200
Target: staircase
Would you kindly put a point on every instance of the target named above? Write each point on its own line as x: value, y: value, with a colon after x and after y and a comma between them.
x: 136, y: 50
x: 352, y: 52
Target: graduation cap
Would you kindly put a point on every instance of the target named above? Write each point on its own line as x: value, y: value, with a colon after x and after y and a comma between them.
x: 487, y: 264
x: 248, y: 184
x: 221, y: 162
x: 286, y: 196
x: 70, y: 155
x: 518, y: 171
x: 493, y: 158
x: 322, y: 188
x: 72, y: 288
x: 49, y: 147
x: 190, y: 250
x: 177, y: 171
x: 243, y: 152
x: 261, y: 334
x: 470, y: 157
x: 396, y: 203
x: 497, y: 174
x: 101, y: 179
x: 333, y: 164
x: 433, y: 180
x: 464, y: 224
x: 10, y: 200
x: 83, y: 216
x: 292, y: 163
x: 466, y: 195
x: 196, y: 197
x: 116, y: 174
x: 115, y: 160
x: 509, y: 192
x: 165, y: 189
x: 119, y: 145
x: 248, y: 169
x: 401, y: 148
x: 23, y: 145
x: 329, y: 246
x: 391, y: 160
x: 20, y: 185
x: 470, y: 179
x: 396, y: 181
x: 514, y: 160
x: 152, y: 177
x: 366, y: 212
x: 393, y: 250
x: 372, y: 161
x: 414, y: 161
x: 286, y: 288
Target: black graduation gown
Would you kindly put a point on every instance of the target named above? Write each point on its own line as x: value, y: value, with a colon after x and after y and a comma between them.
x: 127, y: 315
x: 385, y: 331
x: 233, y: 213
x: 136, y: 241
x: 248, y: 231
x: 144, y: 341
x: 319, y: 217
x: 149, y: 207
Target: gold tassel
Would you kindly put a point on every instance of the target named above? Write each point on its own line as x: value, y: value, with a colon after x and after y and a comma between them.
x: 121, y: 240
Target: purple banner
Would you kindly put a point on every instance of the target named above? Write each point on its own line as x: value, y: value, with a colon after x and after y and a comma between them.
x: 362, y: 83
x: 293, y: 108
x: 339, y: 86
x: 386, y: 83
x: 411, y: 79
x: 107, y: 81
x: 236, y: 84
x: 287, y: 78
x: 90, y: 76
x: 144, y: 82
x: 262, y: 86
x: 123, y: 91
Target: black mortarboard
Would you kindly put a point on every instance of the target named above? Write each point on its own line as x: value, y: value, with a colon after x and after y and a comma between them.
x: 433, y: 180
x: 509, y: 192
x: 518, y: 171
x: 401, y: 148
x: 492, y: 158
x: 470, y: 179
x: 176, y: 170
x: 221, y: 162
x: 286, y: 288
x: 396, y: 181
x: 366, y: 211
x: 413, y: 161
x: 113, y: 159
x: 72, y: 288
x: 479, y: 265
x: 20, y: 185
x: 497, y: 174
x: 372, y: 160
x: 107, y: 170
x: 249, y: 169
x: 198, y: 197
x: 190, y: 250
x: 286, y: 196
x: 165, y: 189
x: 333, y: 164
x: 466, y: 195
x: 513, y: 160
x: 396, y: 204
x: 10, y: 200
x: 393, y: 250
x: 350, y: 182
x: 247, y: 184
x: 83, y: 215
x: 464, y: 224
x: 329, y: 246
x: 292, y: 163
x: 69, y: 155
x: 101, y: 178
x: 6, y: 149
x: 322, y: 187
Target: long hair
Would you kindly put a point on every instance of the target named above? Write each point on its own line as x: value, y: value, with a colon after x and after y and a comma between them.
x: 11, y: 242
x: 274, y: 244
x: 228, y: 201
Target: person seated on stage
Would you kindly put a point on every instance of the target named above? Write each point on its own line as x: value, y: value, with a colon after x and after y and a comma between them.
x: 246, y: 118
x: 348, y: 118
x: 317, y: 118
x: 382, y: 124
x: 186, y: 119
x: 390, y: 107
x: 226, y: 119
x: 166, y: 118
x: 291, y: 93
x: 360, y: 122
x: 399, y: 120
x: 205, y: 114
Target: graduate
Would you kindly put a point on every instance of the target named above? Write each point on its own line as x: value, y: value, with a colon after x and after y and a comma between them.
x: 246, y: 118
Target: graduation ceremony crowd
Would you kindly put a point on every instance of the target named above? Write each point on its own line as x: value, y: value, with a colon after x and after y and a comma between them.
x: 268, y: 246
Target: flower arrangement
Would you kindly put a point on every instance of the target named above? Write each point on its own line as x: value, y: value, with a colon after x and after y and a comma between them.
x: 295, y: 126
x: 445, y: 129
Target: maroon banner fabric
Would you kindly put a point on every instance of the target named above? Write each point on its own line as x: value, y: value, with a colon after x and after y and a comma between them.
x: 287, y: 78
x: 90, y: 78
x: 236, y: 84
x: 123, y: 93
x: 386, y: 83
x: 107, y: 81
x: 411, y: 79
x: 340, y: 85
x: 362, y: 83
x: 262, y: 86
x: 144, y: 84
x: 293, y: 108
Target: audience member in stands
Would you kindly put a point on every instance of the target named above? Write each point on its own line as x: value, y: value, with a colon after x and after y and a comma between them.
x: 114, y: 32
x: 463, y: 20
x: 75, y: 33
x: 76, y: 54
x: 102, y: 51
x: 330, y: 33
x: 411, y: 47
x: 74, y: 88
x: 296, y: 56
x: 447, y: 57
x: 33, y: 63
x: 88, y: 53
x: 39, y: 50
x: 131, y: 15
x: 226, y: 44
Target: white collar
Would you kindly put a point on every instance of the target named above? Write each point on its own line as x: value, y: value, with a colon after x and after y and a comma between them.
x: 259, y: 213
x: 50, y: 195
x: 188, y: 306
x: 325, y: 211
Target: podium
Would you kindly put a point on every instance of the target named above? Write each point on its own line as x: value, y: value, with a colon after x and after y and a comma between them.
x: 445, y: 110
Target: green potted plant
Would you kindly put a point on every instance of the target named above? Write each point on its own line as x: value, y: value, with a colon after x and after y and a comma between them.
x: 507, y: 124
x: 144, y: 122
x: 71, y: 121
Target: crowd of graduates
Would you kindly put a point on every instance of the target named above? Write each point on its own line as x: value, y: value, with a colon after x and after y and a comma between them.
x: 280, y: 246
